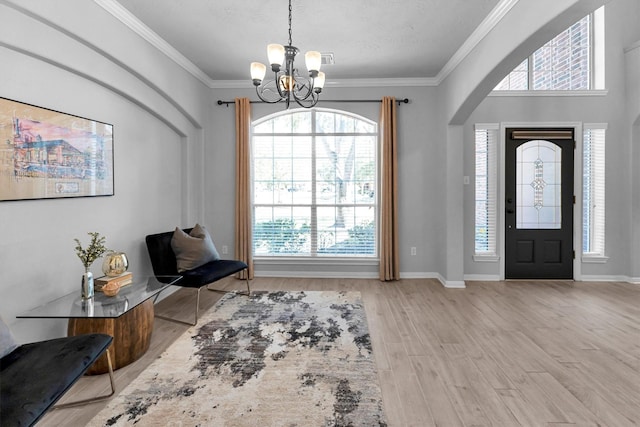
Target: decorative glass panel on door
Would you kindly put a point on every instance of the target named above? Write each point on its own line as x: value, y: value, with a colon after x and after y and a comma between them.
x: 538, y: 185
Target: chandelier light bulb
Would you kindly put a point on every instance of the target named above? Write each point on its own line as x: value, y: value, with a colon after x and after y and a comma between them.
x: 275, y: 53
x: 318, y: 82
x: 287, y: 83
x: 258, y: 71
x: 313, y: 61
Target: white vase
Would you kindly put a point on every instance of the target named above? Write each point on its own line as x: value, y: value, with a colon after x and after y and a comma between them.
x: 87, y: 285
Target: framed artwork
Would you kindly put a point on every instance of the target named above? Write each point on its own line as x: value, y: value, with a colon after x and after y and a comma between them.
x: 46, y: 154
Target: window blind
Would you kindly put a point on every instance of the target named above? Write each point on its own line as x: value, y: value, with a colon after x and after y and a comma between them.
x: 593, y: 192
x: 486, y: 138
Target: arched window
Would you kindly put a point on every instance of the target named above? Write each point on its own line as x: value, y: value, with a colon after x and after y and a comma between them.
x: 315, y: 180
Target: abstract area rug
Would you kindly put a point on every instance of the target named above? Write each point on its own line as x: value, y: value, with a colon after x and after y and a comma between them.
x: 271, y: 359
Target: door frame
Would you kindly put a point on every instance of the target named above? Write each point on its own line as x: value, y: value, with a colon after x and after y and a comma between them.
x: 577, y: 188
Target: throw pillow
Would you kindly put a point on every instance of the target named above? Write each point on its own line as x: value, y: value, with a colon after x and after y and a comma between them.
x: 7, y: 342
x: 194, y: 249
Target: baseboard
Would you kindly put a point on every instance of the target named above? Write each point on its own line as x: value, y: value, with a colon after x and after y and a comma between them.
x: 482, y: 277
x: 454, y: 284
x: 450, y: 284
x: 594, y: 278
x: 420, y: 275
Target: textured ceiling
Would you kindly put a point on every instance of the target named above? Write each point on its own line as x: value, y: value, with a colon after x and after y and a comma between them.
x: 369, y: 38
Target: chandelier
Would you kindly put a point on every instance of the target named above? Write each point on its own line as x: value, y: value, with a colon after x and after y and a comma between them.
x: 288, y: 84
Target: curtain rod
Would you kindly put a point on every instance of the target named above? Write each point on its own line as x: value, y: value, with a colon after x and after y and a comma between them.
x: 398, y: 101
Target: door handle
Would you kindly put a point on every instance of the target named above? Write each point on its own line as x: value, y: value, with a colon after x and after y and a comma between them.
x: 510, y: 211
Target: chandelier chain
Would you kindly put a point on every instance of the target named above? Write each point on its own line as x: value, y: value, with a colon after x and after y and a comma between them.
x: 290, y: 43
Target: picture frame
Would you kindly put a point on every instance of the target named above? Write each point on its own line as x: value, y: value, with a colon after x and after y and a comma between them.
x: 47, y: 154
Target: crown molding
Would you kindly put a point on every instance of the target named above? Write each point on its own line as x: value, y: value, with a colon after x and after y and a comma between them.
x: 476, y: 37
x: 385, y: 82
x: 138, y: 27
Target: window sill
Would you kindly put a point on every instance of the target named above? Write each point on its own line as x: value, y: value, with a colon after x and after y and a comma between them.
x: 594, y: 259
x: 551, y: 93
x: 486, y: 258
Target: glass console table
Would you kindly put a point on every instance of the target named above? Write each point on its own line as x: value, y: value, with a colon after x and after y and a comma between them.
x: 127, y: 317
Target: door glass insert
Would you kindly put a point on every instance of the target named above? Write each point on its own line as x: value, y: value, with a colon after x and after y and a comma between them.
x: 538, y: 185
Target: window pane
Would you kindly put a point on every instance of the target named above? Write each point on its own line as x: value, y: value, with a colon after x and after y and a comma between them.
x: 486, y: 190
x: 561, y: 64
x: 518, y: 79
x: 593, y: 186
x: 334, y: 169
x: 346, y: 231
x: 325, y: 122
x: 538, y: 185
x: 555, y: 63
x: 281, y: 231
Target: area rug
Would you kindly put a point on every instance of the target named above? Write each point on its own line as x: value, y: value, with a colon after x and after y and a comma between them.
x: 271, y: 359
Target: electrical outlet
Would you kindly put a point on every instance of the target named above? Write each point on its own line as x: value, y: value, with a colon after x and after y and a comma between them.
x: 413, y: 250
x: 225, y: 249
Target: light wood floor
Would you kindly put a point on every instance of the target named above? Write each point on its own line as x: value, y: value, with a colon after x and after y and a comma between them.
x: 494, y: 354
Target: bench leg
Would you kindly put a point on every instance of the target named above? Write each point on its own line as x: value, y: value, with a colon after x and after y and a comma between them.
x: 97, y: 398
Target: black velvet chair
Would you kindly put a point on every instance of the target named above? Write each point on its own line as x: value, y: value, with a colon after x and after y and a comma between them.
x: 34, y: 376
x: 163, y: 261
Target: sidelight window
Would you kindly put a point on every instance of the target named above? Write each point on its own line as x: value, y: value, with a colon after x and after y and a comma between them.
x: 486, y: 141
x: 593, y: 190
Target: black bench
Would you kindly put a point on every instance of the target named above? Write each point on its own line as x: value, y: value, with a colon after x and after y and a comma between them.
x: 163, y: 262
x: 34, y: 376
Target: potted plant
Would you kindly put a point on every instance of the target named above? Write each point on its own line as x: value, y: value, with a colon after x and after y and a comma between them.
x: 88, y: 255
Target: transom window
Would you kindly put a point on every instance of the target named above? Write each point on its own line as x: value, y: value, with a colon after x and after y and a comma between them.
x: 315, y: 184
x: 571, y: 61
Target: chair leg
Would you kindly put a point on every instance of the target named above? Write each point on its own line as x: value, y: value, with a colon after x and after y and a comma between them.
x: 183, y: 321
x: 97, y: 398
x: 220, y: 291
x: 248, y: 286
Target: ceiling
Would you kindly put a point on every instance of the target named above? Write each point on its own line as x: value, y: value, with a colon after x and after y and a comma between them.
x: 369, y: 38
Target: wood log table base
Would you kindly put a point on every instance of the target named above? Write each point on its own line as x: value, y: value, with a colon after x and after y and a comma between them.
x: 131, y: 334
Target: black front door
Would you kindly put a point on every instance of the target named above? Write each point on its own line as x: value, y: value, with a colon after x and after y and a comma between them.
x: 539, y: 204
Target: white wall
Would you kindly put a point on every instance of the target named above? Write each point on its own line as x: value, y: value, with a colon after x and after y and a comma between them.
x: 621, y: 30
x: 50, y: 58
